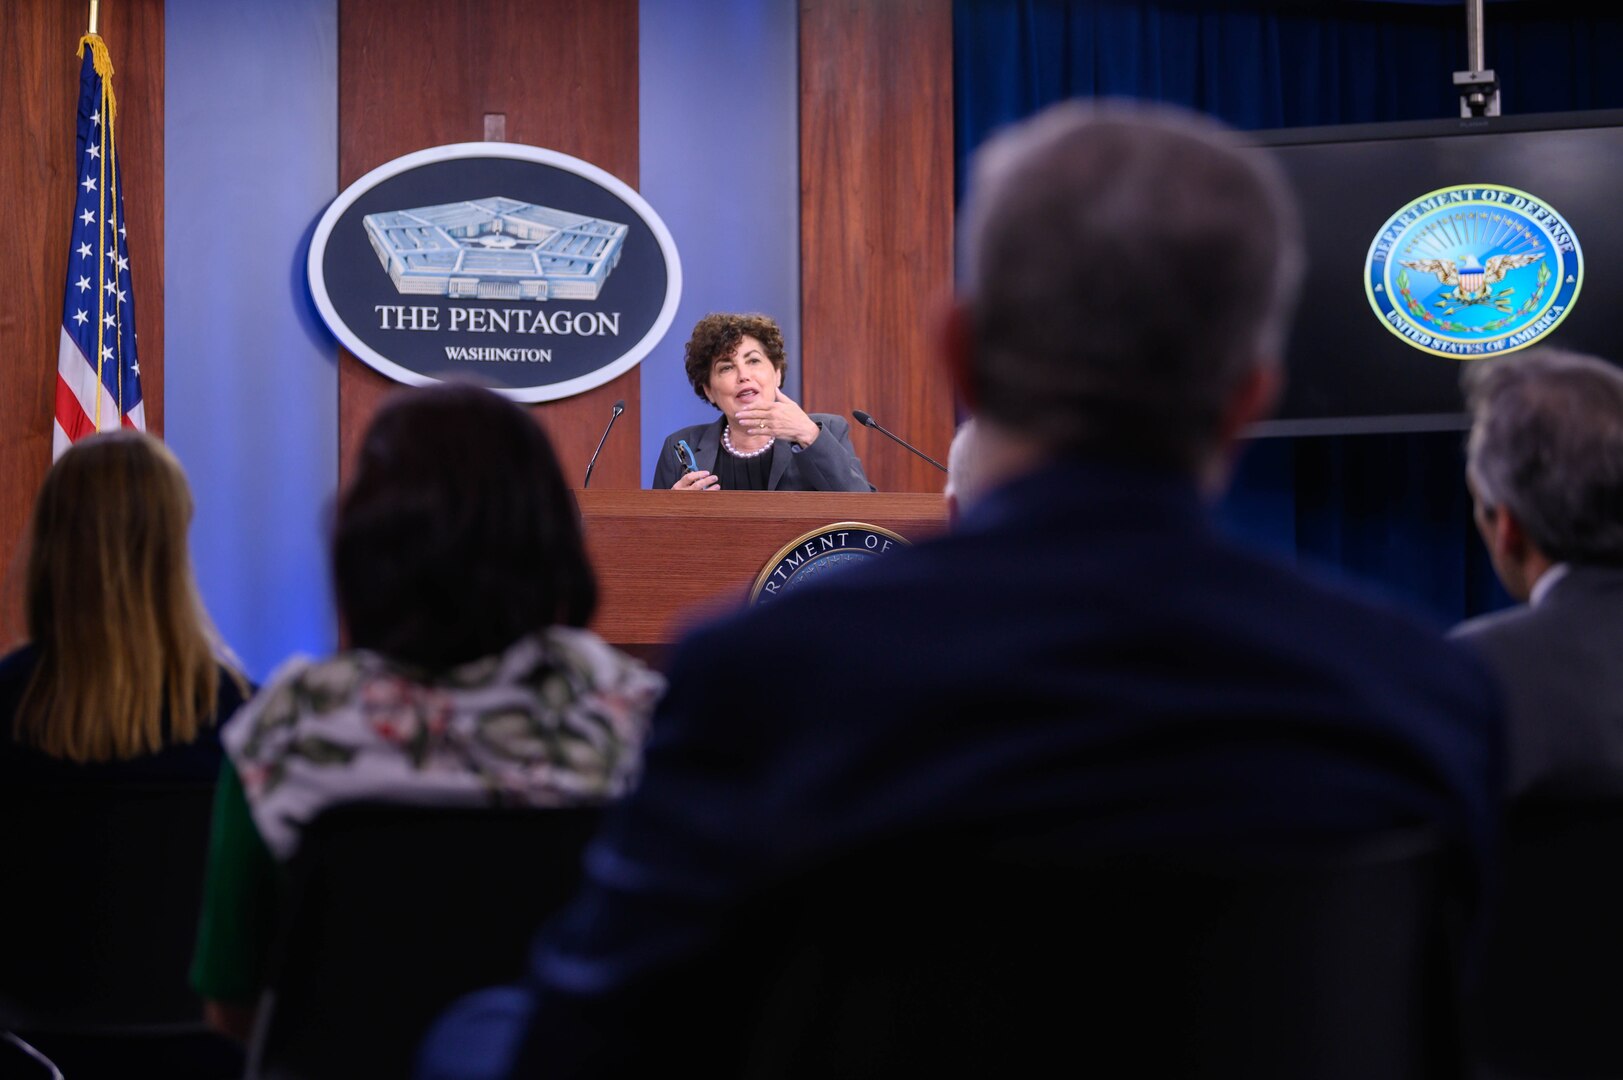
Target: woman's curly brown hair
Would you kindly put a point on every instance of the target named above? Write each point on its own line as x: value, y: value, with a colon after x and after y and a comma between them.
x: 717, y: 335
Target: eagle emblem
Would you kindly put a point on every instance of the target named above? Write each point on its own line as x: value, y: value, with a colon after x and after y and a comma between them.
x: 1509, y: 264
x: 1473, y: 282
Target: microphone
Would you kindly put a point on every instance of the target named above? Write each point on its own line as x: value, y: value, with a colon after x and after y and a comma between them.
x: 867, y: 421
x: 619, y: 407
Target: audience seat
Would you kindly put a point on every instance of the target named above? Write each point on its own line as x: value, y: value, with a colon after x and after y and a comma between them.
x: 394, y: 911
x: 1549, y: 998
x: 1338, y: 965
x: 103, y: 883
x: 20, y: 1060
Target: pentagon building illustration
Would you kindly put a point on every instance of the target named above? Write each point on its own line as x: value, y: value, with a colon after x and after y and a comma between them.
x: 496, y: 248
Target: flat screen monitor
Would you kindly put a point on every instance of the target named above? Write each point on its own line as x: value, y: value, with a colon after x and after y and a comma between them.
x: 1435, y: 244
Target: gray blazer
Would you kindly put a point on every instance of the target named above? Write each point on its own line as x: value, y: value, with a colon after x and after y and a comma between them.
x: 828, y: 464
x: 1561, y: 667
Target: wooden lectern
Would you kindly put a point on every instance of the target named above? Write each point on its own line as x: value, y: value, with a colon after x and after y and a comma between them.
x: 668, y: 559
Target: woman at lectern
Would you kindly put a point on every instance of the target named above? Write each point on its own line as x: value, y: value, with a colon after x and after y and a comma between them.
x: 123, y: 677
x: 762, y: 441
x: 469, y: 679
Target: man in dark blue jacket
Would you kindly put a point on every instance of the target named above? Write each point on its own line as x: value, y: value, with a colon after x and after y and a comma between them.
x: 1084, y: 663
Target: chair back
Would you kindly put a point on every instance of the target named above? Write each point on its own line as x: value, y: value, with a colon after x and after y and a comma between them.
x: 103, y: 884
x: 392, y: 912
x: 1318, y: 965
x: 20, y: 1060
x: 1549, y: 995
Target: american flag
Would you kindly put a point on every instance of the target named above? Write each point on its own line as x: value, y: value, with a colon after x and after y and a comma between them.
x: 98, y: 381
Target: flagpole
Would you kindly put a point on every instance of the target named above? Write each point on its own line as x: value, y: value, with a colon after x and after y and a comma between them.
x: 94, y: 4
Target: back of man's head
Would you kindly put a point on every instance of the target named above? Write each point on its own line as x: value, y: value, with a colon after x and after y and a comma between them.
x: 1546, y: 444
x: 1128, y: 267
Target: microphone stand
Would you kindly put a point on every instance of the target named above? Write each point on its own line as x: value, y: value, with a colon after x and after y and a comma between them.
x: 619, y: 407
x: 867, y: 421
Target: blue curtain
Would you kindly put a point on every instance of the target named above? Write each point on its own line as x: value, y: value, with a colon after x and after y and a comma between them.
x: 1389, y: 511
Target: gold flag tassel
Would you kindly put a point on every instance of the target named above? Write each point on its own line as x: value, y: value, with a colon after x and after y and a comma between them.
x: 102, y: 61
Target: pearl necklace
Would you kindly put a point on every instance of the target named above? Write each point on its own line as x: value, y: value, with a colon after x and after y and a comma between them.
x: 727, y: 441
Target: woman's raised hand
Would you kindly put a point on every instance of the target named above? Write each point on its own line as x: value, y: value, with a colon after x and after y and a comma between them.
x: 781, y: 418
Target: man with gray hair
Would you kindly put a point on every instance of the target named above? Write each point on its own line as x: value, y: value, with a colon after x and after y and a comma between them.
x: 1083, y: 664
x: 1545, y: 470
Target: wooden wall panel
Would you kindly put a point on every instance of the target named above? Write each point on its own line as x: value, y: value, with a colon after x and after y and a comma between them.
x: 876, y: 223
x: 39, y: 90
x: 420, y: 73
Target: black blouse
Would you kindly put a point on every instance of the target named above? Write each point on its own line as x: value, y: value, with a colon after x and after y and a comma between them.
x: 743, y: 474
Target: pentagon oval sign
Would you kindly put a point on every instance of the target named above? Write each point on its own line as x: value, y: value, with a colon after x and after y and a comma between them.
x: 1474, y: 270
x: 532, y: 272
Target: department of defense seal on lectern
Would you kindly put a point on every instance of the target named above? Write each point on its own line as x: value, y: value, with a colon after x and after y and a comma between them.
x: 820, y: 552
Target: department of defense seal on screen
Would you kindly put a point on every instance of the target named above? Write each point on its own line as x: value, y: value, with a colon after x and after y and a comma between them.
x: 1474, y: 270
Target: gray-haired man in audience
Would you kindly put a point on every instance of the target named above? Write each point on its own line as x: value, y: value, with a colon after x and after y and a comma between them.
x: 1545, y: 468
x: 1083, y: 665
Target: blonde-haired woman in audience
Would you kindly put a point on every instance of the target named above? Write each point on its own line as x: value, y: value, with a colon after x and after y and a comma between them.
x: 123, y: 675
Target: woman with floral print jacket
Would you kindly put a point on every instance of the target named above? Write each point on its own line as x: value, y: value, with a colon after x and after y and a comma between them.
x: 463, y: 588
